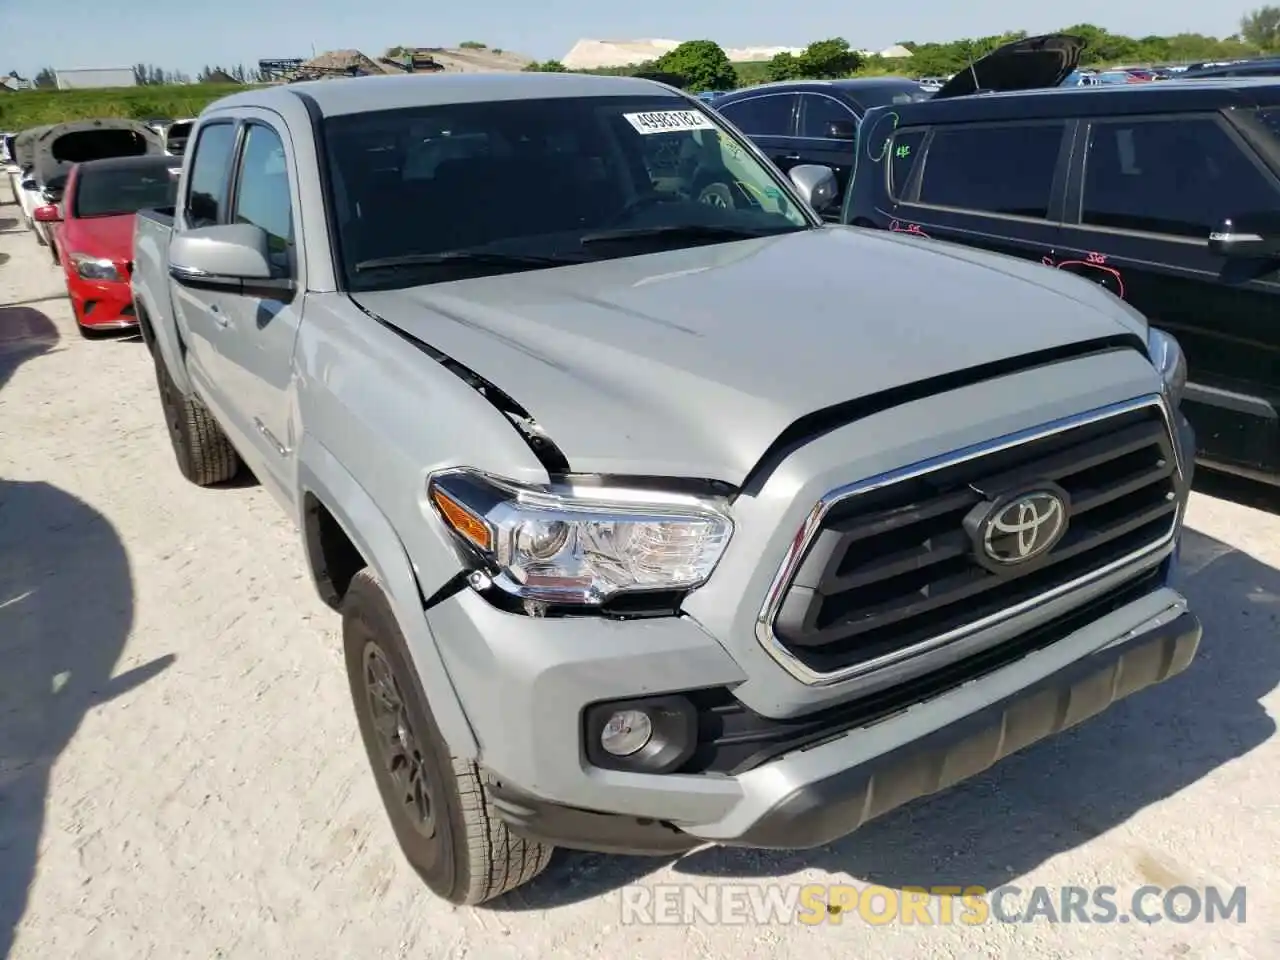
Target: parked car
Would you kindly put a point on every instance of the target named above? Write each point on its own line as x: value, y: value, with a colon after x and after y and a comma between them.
x: 1151, y: 190
x: 812, y: 121
x: 93, y: 233
x: 175, y: 138
x: 815, y: 122
x: 647, y: 528
x: 1262, y: 67
x: 25, y: 186
x: 52, y: 150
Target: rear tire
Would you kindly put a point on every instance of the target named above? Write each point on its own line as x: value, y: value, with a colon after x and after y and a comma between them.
x: 437, y: 803
x: 205, y: 455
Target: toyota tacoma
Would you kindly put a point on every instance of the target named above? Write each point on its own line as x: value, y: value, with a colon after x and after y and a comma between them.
x: 658, y: 512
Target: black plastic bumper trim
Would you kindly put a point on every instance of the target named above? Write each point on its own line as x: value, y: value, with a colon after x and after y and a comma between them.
x: 829, y: 809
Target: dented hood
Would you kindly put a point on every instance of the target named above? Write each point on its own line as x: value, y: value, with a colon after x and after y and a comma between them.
x: 1031, y: 64
x: 24, y: 147
x: 691, y: 363
x: 58, y: 148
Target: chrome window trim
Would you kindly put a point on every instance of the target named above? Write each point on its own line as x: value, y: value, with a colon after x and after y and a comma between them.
x: 804, y: 537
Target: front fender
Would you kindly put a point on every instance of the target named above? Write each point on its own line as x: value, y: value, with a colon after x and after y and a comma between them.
x: 320, y: 474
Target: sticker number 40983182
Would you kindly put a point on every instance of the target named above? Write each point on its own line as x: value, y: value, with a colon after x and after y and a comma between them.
x: 669, y: 121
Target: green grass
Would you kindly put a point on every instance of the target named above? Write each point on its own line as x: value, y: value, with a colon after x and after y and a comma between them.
x: 22, y: 109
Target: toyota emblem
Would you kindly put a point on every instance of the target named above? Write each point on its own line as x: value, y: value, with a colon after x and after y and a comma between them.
x: 1019, y: 529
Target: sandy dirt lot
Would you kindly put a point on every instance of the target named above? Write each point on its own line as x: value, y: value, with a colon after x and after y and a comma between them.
x: 180, y: 774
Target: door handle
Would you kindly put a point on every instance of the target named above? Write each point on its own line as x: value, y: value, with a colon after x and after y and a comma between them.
x: 218, y: 317
x: 792, y: 156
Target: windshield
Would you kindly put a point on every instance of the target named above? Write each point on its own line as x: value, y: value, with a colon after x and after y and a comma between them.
x: 117, y: 190
x: 539, y: 183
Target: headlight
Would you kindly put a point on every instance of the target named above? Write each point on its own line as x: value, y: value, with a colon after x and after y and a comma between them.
x: 583, y: 545
x: 94, y: 268
x: 1168, y: 358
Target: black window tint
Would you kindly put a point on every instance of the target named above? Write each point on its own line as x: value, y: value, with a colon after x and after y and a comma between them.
x: 997, y: 169
x: 1179, y: 177
x: 902, y: 155
x: 762, y: 116
x: 207, y: 190
x: 819, y: 113
x: 262, y: 196
x: 1270, y: 117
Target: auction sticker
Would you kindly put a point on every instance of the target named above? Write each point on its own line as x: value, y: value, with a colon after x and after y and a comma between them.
x: 669, y: 121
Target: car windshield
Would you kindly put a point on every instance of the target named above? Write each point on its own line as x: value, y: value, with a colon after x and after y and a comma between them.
x: 116, y: 190
x: 437, y: 193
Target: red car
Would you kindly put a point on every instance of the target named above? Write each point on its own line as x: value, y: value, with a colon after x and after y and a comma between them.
x: 93, y: 232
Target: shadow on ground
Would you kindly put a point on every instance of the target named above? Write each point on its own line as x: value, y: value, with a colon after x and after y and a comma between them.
x: 1055, y: 796
x: 66, y: 608
x: 25, y: 333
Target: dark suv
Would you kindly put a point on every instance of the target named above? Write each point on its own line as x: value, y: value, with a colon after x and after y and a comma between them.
x: 1167, y: 194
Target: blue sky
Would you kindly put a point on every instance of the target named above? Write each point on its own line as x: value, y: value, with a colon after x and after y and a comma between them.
x: 183, y: 34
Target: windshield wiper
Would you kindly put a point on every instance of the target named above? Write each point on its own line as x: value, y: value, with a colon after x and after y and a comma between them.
x: 488, y: 258
x: 687, y: 231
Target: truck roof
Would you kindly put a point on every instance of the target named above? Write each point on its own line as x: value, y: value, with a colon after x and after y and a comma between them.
x: 363, y: 94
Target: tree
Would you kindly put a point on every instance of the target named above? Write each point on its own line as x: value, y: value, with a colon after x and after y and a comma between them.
x: 783, y: 66
x: 46, y: 79
x: 829, y: 59
x: 702, y: 65
x: 472, y: 45
x: 546, y: 66
x: 1261, y: 28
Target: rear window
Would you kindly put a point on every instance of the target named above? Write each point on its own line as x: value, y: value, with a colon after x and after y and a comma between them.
x: 115, y: 191
x: 83, y: 145
x: 1270, y: 117
x: 1006, y: 169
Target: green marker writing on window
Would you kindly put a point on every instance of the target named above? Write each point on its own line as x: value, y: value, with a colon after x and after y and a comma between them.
x: 903, y: 151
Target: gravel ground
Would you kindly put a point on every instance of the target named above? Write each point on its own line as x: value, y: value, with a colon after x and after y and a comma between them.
x: 180, y: 774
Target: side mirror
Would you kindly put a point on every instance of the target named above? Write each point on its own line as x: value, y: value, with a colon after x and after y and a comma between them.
x: 1247, y: 237
x: 817, y: 185
x: 842, y: 130
x: 46, y: 214
x: 233, y: 257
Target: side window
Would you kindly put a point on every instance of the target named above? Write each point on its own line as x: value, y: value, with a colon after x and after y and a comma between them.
x: 1179, y: 177
x: 768, y: 116
x: 903, y: 152
x: 207, y: 186
x: 262, y: 194
x: 819, y: 113
x: 994, y: 169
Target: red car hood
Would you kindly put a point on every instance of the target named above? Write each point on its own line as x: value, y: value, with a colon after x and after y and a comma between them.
x: 109, y: 237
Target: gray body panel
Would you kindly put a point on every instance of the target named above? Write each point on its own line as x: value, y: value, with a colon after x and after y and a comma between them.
x: 47, y: 167
x: 681, y: 364
x: 691, y: 363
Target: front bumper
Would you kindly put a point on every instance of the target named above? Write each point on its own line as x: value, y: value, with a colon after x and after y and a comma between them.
x: 814, y: 796
x: 102, y: 304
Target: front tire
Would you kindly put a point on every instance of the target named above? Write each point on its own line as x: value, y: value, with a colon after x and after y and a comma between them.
x: 205, y: 455
x: 437, y: 803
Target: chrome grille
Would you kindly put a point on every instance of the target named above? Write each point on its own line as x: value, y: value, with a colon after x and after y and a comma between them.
x: 886, y: 568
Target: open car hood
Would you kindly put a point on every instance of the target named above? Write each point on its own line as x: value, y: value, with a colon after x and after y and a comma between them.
x: 1031, y: 64
x: 51, y: 160
x: 24, y: 147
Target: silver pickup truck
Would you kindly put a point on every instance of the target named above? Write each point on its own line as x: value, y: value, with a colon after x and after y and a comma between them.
x: 658, y: 513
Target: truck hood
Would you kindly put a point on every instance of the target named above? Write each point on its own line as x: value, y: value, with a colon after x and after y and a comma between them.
x: 691, y: 363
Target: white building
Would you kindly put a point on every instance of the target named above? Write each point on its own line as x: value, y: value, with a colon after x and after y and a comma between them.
x: 598, y: 54
x: 93, y: 79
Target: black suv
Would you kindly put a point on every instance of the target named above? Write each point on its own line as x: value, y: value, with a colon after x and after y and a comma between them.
x: 815, y: 122
x: 1167, y: 194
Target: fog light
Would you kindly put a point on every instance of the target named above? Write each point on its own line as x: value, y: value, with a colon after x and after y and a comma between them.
x: 626, y: 732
